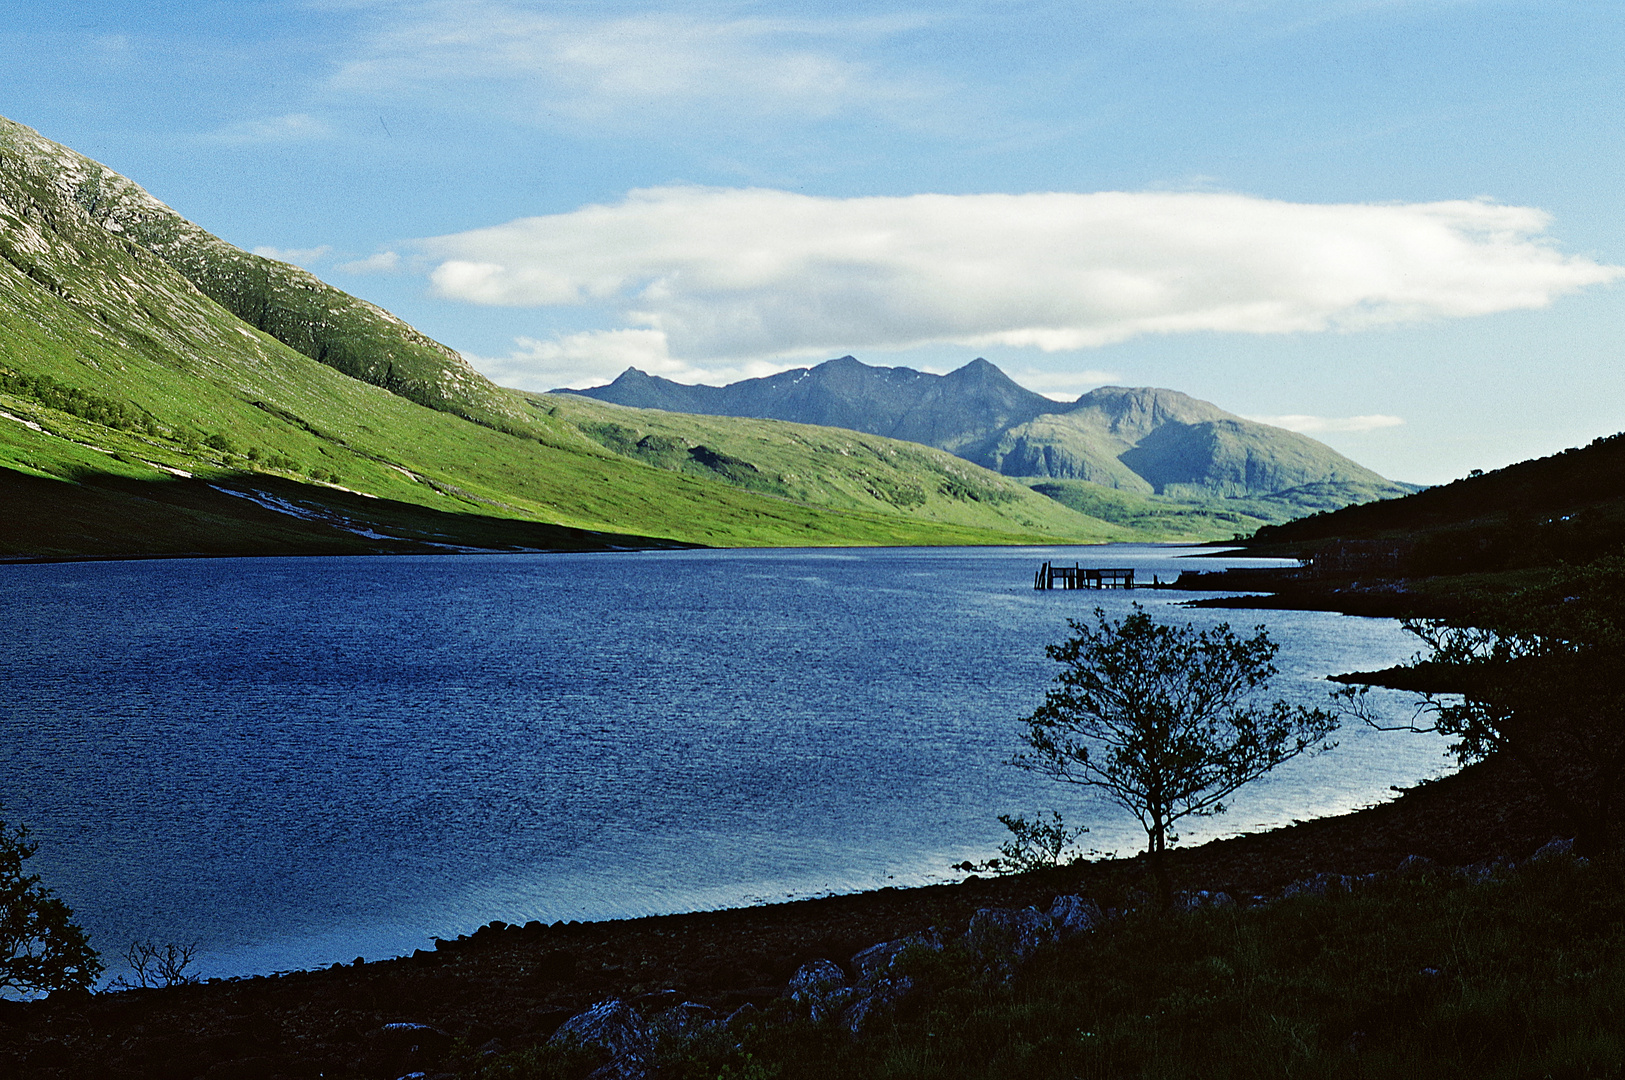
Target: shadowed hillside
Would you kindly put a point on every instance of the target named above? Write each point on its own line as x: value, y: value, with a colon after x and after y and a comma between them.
x: 1569, y: 507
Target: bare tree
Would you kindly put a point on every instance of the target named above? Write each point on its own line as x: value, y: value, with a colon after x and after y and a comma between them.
x: 152, y: 964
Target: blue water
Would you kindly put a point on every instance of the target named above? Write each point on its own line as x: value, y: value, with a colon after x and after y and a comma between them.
x: 298, y: 761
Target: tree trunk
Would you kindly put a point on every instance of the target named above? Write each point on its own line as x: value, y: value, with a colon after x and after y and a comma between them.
x: 1157, y: 852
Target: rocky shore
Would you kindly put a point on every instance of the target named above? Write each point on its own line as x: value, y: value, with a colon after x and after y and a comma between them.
x: 508, y: 987
x: 1383, y: 596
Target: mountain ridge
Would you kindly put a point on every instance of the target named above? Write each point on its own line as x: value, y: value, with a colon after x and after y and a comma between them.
x: 1142, y: 439
x: 286, y: 302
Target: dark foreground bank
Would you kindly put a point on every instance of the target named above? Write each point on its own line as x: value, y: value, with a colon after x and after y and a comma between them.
x: 510, y: 988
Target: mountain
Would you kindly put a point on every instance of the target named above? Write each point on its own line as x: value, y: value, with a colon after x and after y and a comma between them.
x: 956, y: 412
x: 285, y: 302
x: 1148, y: 441
x: 164, y: 392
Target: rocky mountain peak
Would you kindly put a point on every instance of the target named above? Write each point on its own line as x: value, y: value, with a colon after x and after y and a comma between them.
x: 1141, y: 438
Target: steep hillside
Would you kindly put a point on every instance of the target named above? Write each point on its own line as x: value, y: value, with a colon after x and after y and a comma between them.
x: 291, y: 305
x: 140, y: 415
x: 1238, y: 457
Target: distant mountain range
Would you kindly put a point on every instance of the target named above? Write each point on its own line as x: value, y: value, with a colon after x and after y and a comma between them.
x: 1140, y: 440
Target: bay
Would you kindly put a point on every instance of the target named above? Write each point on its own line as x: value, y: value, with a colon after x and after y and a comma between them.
x: 293, y: 762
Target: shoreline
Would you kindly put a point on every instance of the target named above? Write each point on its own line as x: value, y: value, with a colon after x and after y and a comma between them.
x: 649, y: 544
x: 517, y: 984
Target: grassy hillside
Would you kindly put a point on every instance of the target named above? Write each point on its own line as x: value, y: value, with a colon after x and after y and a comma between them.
x: 1166, y: 443
x: 830, y: 468
x: 1569, y: 507
x: 1062, y: 447
x: 1234, y: 457
x: 1518, y: 977
x: 171, y: 425
x: 291, y: 305
x: 1198, y: 519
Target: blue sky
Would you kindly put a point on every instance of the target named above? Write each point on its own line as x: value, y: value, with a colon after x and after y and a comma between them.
x: 1396, y: 226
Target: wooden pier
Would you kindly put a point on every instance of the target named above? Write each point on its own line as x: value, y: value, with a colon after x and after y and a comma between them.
x: 1050, y: 576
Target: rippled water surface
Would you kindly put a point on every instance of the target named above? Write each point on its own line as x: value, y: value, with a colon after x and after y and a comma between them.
x: 298, y: 761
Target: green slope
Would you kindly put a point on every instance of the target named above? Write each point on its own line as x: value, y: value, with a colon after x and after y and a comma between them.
x: 829, y: 468
x: 1063, y: 447
x: 1164, y: 517
x: 291, y: 305
x: 119, y: 370
x: 1166, y: 443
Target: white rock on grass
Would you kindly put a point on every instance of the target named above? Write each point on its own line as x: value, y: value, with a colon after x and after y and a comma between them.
x: 878, y: 959
x: 821, y: 987
x: 1073, y: 915
x: 1013, y: 932
x: 611, y: 1025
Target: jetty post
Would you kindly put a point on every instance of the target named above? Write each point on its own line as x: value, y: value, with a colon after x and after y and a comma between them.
x: 1076, y: 576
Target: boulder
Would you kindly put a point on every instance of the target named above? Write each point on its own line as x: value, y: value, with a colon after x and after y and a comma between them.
x: 877, y: 959
x: 1009, y: 932
x: 1073, y: 915
x: 874, y: 1002
x: 1480, y: 872
x: 613, y: 1026
x: 814, y: 978
x: 1415, y: 866
x: 625, y: 1067
x: 742, y: 1016
x: 1553, y: 848
x: 820, y: 987
x: 1201, y: 898
x: 684, y: 1019
x: 408, y: 1037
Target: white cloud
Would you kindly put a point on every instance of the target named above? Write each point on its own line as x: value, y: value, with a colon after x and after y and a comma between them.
x: 633, y: 68
x: 1062, y: 385
x: 385, y: 262
x: 294, y: 127
x: 735, y: 275
x: 298, y: 256
x: 1314, y: 425
x: 594, y: 357
x: 578, y: 360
